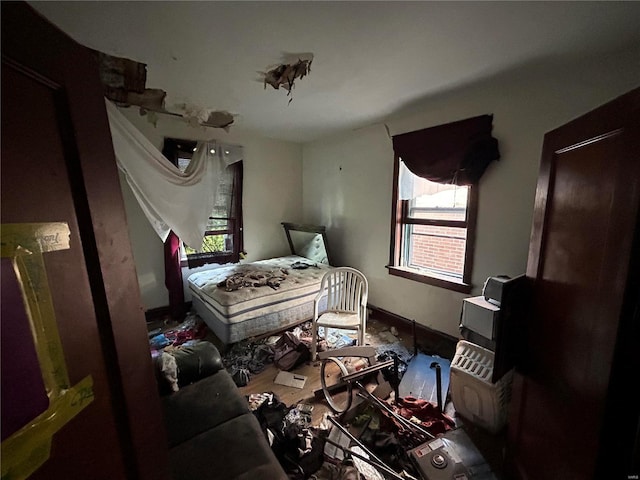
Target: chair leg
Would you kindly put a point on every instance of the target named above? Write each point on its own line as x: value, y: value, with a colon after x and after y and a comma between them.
x: 314, y: 340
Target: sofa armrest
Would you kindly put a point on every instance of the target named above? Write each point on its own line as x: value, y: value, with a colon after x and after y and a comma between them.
x: 196, y: 362
x: 185, y: 365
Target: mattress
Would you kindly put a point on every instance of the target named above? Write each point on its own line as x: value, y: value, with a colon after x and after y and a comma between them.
x: 250, y: 311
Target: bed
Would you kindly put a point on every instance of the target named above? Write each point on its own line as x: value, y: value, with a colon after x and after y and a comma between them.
x: 274, y: 294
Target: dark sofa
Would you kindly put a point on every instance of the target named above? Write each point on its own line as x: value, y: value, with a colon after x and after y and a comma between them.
x: 212, y: 433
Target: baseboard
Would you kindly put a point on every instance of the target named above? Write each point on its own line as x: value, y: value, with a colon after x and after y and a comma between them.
x: 428, y: 340
x: 162, y: 312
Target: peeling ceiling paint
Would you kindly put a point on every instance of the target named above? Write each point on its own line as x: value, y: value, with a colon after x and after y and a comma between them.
x: 124, y: 82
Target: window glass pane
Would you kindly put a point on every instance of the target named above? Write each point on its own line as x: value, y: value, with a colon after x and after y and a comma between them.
x: 438, y: 250
x: 437, y: 201
x: 224, y: 195
x: 183, y: 163
x: 214, y: 244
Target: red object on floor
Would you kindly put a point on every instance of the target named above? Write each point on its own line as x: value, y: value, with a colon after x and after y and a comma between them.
x: 430, y: 418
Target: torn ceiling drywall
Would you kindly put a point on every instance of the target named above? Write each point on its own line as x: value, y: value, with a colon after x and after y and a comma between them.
x: 124, y: 83
x: 286, y: 73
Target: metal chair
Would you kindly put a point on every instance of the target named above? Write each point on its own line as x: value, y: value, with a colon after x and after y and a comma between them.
x: 346, y: 290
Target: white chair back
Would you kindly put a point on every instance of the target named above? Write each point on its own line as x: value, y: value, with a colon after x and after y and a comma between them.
x: 346, y: 289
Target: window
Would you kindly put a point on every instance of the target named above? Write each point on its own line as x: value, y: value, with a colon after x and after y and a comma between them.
x: 222, y: 242
x: 434, y: 231
x: 223, y: 239
x: 435, y: 197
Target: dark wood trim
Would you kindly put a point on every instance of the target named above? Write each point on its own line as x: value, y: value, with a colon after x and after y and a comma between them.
x: 29, y: 40
x: 470, y: 247
x: 195, y: 260
x: 430, y: 341
x: 322, y: 230
x: 304, y: 227
x: 396, y: 214
x: 608, y: 383
x: 429, y: 279
x: 435, y: 223
x: 399, y: 217
x: 237, y: 198
x: 159, y: 313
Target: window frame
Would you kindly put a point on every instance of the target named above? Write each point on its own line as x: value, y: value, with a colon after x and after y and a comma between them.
x: 175, y: 148
x: 399, y: 221
x: 234, y: 227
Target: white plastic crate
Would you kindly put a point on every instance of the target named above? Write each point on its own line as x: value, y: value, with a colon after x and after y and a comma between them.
x: 472, y: 393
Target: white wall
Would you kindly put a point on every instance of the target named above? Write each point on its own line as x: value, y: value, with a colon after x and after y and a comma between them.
x: 348, y: 179
x: 272, y: 193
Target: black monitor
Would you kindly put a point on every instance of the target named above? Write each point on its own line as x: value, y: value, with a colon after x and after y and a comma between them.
x: 509, y: 338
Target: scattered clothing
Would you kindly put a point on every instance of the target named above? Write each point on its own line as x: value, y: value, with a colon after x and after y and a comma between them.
x: 330, y: 471
x: 159, y: 342
x: 246, y: 358
x: 192, y: 328
x: 240, y: 376
x: 420, y: 412
x: 298, y: 449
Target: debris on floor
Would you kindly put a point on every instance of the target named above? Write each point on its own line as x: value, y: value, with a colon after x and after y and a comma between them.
x: 192, y: 329
x: 420, y: 378
x: 290, y: 379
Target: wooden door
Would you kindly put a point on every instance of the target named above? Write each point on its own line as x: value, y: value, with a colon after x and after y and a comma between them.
x: 573, y: 415
x: 58, y: 170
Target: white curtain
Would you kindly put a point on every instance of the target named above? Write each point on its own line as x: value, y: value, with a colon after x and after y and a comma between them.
x: 170, y: 199
x: 405, y: 183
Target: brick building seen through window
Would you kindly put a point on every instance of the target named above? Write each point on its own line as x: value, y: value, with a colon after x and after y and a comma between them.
x: 432, y: 230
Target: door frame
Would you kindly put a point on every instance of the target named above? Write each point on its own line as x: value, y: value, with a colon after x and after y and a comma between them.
x: 38, y: 49
x: 618, y: 439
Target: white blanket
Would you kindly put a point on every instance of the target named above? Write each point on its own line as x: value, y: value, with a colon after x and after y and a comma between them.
x: 170, y: 199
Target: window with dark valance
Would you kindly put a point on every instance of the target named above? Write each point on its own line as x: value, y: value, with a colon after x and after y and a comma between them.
x: 436, y: 172
x: 456, y: 153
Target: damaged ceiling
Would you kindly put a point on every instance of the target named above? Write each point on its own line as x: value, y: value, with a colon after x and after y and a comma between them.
x: 124, y: 82
x: 370, y: 59
x: 287, y: 73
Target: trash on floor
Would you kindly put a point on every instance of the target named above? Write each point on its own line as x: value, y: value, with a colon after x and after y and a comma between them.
x: 290, y: 379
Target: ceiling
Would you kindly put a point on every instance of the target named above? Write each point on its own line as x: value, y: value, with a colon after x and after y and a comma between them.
x: 371, y: 59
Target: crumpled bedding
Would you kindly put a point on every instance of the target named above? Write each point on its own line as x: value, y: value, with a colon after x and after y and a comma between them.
x: 253, y: 277
x: 230, y: 302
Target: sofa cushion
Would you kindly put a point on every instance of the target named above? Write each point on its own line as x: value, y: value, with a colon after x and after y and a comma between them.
x: 201, y: 406
x: 236, y: 449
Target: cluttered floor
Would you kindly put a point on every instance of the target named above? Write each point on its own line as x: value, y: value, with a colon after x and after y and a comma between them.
x: 398, y: 421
